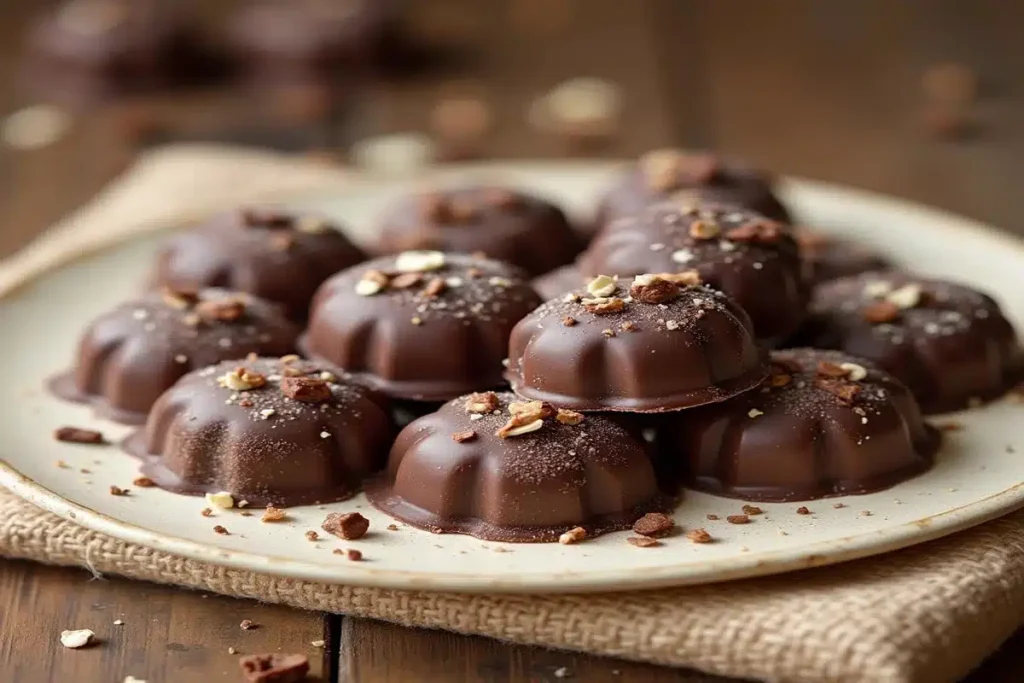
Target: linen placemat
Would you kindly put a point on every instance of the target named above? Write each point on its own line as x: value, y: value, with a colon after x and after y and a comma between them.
x: 928, y: 613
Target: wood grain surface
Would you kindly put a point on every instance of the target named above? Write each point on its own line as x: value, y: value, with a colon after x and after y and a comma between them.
x: 828, y: 90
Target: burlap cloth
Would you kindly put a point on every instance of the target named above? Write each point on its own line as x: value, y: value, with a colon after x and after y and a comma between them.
x: 928, y: 613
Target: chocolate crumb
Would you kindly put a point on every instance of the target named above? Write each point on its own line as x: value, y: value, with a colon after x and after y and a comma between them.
x: 305, y: 389
x: 311, y: 535
x: 348, y: 525
x: 737, y: 519
x: 841, y: 389
x: 392, y: 527
x: 206, y: 512
x: 118, y: 491
x: 698, y: 536
x: 839, y: 506
x: 464, y: 437
x: 752, y: 510
x: 274, y: 668
x: 221, y: 530
x: 78, y: 435
x: 713, y: 518
x: 574, y: 535
x: 802, y: 510
x: 654, y: 524
x: 643, y: 541
x: 354, y: 555
x: 143, y: 482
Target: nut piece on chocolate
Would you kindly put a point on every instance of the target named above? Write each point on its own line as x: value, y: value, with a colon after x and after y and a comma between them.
x: 78, y: 435
x: 653, y: 289
x: 306, y: 389
x: 347, y: 525
x: 654, y: 524
x: 274, y: 668
x: 482, y: 403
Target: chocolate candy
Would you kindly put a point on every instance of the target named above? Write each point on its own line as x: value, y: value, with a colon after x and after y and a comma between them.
x: 273, y: 254
x: 424, y: 325
x: 679, y: 175
x: 829, y: 258
x: 658, y: 343
x: 503, y: 469
x: 504, y: 224
x: 948, y: 343
x: 823, y: 423
x: 749, y: 257
x: 267, y: 431
x: 129, y: 356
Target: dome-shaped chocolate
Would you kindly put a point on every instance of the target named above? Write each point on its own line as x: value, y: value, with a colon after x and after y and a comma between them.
x: 829, y: 258
x: 950, y: 344
x: 500, y: 223
x: 423, y: 325
x: 499, y: 468
x: 279, y: 256
x: 676, y: 175
x: 129, y: 356
x: 751, y: 258
x: 652, y: 346
x: 266, y: 430
x: 823, y: 423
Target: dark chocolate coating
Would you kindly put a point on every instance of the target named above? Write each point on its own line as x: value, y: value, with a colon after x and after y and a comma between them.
x: 279, y: 256
x: 131, y: 42
x: 800, y: 441
x: 504, y: 224
x: 951, y: 347
x: 696, y: 349
x: 764, y: 277
x: 527, y: 488
x: 409, y: 345
x: 559, y: 281
x: 829, y: 258
x: 673, y: 174
x: 312, y: 35
x: 129, y: 356
x: 260, y: 445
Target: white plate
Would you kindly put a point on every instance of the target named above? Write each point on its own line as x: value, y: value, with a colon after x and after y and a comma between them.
x: 976, y: 478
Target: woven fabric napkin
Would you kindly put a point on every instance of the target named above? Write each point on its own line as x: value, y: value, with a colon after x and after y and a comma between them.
x: 929, y: 613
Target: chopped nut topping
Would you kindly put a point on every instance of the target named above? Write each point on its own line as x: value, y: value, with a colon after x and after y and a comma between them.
x: 628, y: 326
x: 143, y: 482
x: 419, y: 261
x: 348, y: 525
x: 118, y: 491
x: 699, y: 536
x: 306, y: 389
x: 906, y: 296
x: 226, y: 310
x: 602, y: 286
x: 76, y: 638
x: 180, y: 297
x: 406, y: 280
x: 802, y: 510
x: 221, y: 530
x: 737, y: 519
x: 841, y: 389
x: 654, y: 524
x: 273, y: 514
x: 880, y: 312
x: 247, y: 625
x: 517, y: 426
x: 574, y: 535
x: 242, y: 379
x: 483, y: 403
x: 568, y: 321
x: 653, y: 289
x: 603, y: 306
x: 367, y: 287
x: 704, y: 230
x: 608, y: 332
x: 854, y: 372
x: 206, y: 512
x: 760, y: 231
x: 832, y: 370
x: 274, y: 668
x: 532, y: 410
x: 779, y: 380
x: 569, y: 417
x: 311, y: 535
x: 642, y: 541
x: 222, y: 500
x: 435, y: 287
x: 754, y: 412
x: 712, y: 518
x: 752, y: 510
x: 354, y: 555
x: 78, y: 435
x: 464, y: 437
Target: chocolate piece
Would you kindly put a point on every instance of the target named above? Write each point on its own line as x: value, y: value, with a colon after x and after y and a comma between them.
x: 244, y: 250
x: 79, y: 435
x: 274, y: 668
x: 348, y: 525
x: 529, y: 488
x: 948, y: 343
x: 261, y: 445
x: 410, y: 345
x: 680, y: 176
x: 800, y: 440
x: 828, y: 258
x: 695, y: 348
x: 504, y: 224
x: 129, y: 356
x: 747, y: 256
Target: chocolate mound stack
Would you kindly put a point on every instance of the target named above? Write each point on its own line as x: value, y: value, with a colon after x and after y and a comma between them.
x: 266, y: 430
x: 129, y: 356
x: 503, y: 224
x: 823, y: 423
x: 276, y: 255
x: 503, y: 469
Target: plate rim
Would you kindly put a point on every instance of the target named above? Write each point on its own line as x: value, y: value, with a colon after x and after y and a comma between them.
x: 819, y: 553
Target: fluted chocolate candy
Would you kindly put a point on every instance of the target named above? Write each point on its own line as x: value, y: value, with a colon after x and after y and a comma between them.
x: 423, y: 325
x: 501, y: 223
x: 950, y: 344
x: 267, y: 431
x: 653, y: 344
x: 126, y: 358
x: 680, y: 175
x: 504, y: 469
x: 823, y: 423
x: 749, y: 257
x: 271, y: 253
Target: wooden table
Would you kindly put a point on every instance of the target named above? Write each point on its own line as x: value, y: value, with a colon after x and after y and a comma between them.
x: 829, y: 90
